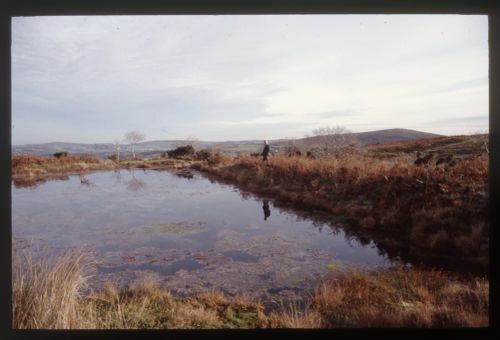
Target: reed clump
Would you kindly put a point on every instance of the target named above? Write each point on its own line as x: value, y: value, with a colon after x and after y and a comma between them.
x: 56, y: 296
x: 45, y: 295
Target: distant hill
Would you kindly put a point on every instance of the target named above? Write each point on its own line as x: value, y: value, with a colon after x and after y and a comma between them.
x: 151, y: 148
x: 45, y: 149
x: 392, y: 135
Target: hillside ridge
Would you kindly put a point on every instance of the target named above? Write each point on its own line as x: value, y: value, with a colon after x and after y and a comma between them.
x: 368, y: 137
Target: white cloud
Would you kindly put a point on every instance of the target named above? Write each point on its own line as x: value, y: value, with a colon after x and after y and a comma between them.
x: 207, y: 75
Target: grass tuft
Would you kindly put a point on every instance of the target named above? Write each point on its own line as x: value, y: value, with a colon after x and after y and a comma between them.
x: 51, y: 296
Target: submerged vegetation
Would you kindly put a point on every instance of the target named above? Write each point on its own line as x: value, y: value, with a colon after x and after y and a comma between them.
x: 173, y: 228
x: 56, y: 296
x: 434, y: 213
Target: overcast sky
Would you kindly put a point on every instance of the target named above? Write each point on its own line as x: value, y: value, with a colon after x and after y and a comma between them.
x: 91, y: 79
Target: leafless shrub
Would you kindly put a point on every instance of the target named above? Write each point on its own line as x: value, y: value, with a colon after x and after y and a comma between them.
x: 134, y: 137
x: 335, y: 141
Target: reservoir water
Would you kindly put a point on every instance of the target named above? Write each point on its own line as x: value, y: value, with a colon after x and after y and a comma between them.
x: 190, y: 234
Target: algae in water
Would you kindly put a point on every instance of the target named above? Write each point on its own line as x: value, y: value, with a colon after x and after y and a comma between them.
x: 173, y: 228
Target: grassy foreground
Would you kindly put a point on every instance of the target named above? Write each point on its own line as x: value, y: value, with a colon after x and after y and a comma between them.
x: 51, y: 297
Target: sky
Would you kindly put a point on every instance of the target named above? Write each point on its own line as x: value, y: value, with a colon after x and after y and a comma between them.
x: 91, y: 79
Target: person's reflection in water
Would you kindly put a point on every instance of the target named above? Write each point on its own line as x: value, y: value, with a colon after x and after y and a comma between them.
x: 85, y: 181
x: 267, y: 211
x: 135, y: 184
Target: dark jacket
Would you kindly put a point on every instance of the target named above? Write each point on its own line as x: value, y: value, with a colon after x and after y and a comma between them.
x: 266, y: 151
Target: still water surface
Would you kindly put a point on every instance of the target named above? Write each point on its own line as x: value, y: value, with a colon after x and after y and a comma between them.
x: 190, y: 234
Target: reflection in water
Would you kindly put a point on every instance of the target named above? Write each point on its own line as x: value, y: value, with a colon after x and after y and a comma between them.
x: 185, y: 173
x: 117, y: 175
x: 267, y: 210
x: 85, y: 181
x: 135, y: 184
x: 231, y: 251
x: 31, y: 183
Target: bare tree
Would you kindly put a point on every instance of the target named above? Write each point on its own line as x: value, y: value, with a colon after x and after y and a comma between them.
x: 189, y: 140
x: 117, y: 145
x: 336, y: 141
x: 134, y: 137
x: 292, y: 147
x: 193, y: 141
x: 486, y: 143
x: 482, y: 137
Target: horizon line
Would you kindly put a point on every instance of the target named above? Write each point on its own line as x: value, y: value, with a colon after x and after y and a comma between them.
x: 229, y: 140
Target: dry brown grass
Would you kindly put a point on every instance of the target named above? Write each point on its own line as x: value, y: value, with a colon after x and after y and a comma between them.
x: 291, y: 315
x: 442, y: 209
x: 29, y: 170
x: 36, y: 167
x: 156, y: 163
x: 50, y: 296
x: 403, y: 298
x: 145, y: 305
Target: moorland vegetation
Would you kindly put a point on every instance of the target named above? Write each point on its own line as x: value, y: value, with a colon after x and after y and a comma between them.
x: 435, y: 213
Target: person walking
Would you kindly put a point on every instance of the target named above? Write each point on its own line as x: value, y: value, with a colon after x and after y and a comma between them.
x: 265, y: 152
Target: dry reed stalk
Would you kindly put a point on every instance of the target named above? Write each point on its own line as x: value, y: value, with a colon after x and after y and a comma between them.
x: 46, y: 296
